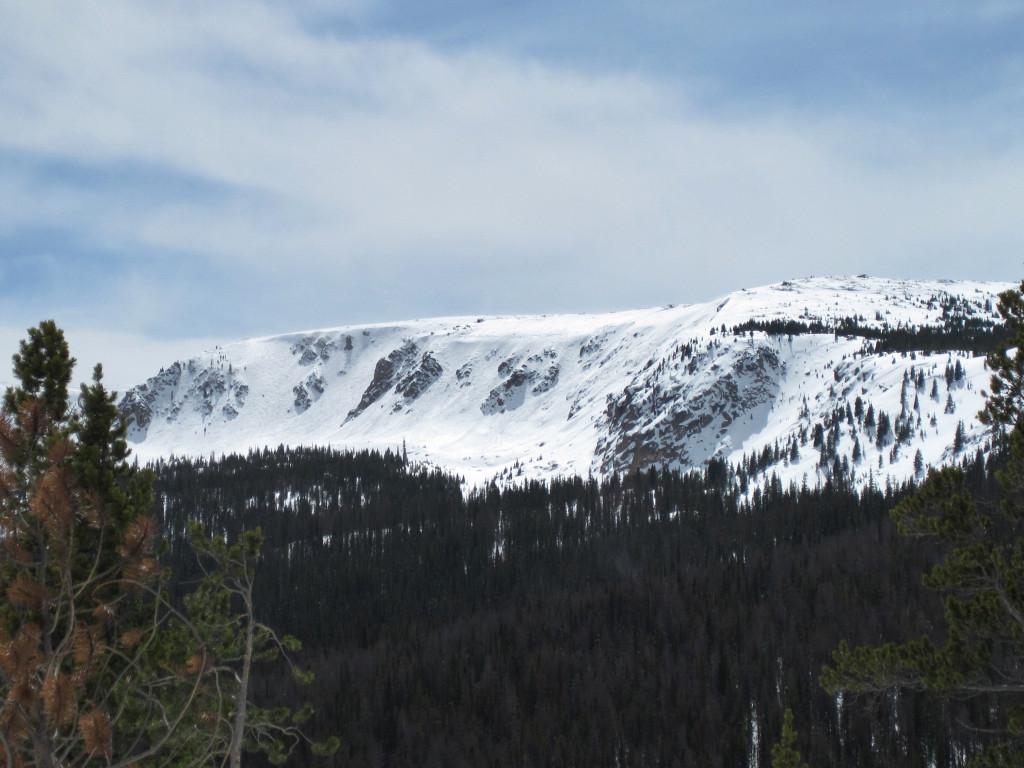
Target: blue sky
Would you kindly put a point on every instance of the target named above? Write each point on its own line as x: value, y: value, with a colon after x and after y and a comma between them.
x: 180, y: 172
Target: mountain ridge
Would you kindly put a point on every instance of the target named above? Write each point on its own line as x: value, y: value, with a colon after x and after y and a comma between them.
x: 791, y: 379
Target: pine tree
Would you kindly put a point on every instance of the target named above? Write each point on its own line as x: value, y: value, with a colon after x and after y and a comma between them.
x: 959, y: 437
x: 96, y: 664
x: 235, y: 640
x: 43, y: 366
x: 1004, y: 406
x: 784, y: 754
x: 79, y: 575
x: 884, y: 429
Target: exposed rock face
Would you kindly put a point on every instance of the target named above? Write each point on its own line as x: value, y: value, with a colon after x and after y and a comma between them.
x: 138, y: 403
x: 207, y: 391
x: 402, y: 372
x: 311, y: 349
x: 687, y: 413
x: 422, y: 376
x: 536, y: 375
x: 308, y: 391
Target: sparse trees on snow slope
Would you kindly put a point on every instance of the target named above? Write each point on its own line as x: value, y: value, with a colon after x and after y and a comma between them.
x: 981, y: 576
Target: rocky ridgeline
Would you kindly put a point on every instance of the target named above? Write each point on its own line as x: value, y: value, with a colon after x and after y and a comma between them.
x: 870, y: 378
x: 184, y: 386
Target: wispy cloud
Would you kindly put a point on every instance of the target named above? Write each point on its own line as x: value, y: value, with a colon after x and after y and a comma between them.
x: 237, y: 168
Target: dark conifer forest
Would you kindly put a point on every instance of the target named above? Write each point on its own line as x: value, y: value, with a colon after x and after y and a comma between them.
x: 653, y: 619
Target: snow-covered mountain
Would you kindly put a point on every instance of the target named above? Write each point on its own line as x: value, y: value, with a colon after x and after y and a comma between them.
x: 799, y: 390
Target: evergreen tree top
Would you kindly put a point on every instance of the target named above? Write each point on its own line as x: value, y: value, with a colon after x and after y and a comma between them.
x: 43, y: 366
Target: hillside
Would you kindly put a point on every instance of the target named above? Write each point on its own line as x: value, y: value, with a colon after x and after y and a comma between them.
x: 648, y: 620
x: 871, y: 377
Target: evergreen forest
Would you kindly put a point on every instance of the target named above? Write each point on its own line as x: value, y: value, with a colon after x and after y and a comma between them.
x: 651, y: 619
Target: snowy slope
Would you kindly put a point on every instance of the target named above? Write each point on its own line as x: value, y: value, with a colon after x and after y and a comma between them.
x: 578, y: 394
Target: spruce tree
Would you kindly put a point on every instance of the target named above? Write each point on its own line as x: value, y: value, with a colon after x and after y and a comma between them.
x: 784, y: 753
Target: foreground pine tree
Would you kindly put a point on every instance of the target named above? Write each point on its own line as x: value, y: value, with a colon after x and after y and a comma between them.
x: 784, y: 753
x: 223, y: 611
x: 78, y: 573
x: 97, y: 667
x: 981, y: 577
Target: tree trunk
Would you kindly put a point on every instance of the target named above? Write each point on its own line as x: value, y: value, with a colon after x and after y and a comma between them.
x: 243, y: 685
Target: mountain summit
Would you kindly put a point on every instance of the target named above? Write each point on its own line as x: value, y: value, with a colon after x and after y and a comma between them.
x: 873, y: 378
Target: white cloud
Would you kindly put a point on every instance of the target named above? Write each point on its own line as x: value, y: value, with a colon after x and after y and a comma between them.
x: 327, y: 155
